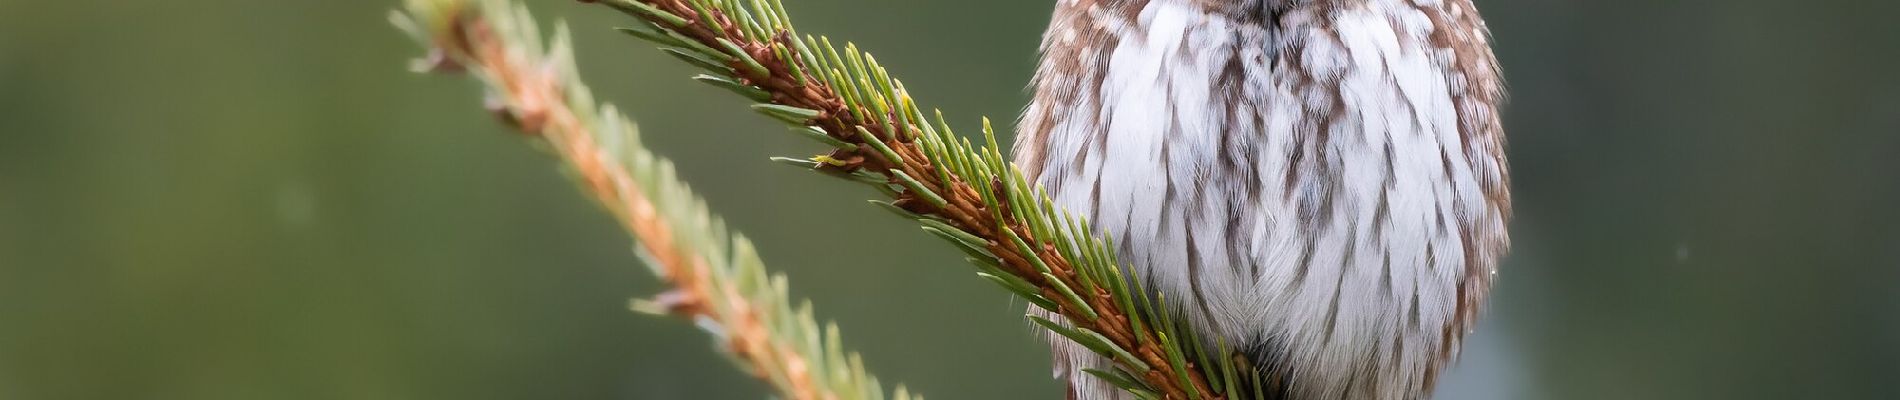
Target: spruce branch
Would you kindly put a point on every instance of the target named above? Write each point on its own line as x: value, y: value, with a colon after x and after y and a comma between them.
x: 965, y: 193
x: 716, y: 276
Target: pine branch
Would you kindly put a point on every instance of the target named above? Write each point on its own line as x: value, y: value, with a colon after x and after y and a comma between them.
x: 962, y: 192
x: 717, y: 278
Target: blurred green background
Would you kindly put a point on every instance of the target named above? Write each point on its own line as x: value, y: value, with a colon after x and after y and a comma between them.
x: 223, y: 199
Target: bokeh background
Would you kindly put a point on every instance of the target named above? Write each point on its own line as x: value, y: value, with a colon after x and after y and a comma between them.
x: 224, y: 199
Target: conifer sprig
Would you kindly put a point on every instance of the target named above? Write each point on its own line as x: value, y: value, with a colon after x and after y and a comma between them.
x: 965, y: 193
x: 716, y: 276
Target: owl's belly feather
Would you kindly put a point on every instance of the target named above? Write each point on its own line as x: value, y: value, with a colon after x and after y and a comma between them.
x: 1306, y: 190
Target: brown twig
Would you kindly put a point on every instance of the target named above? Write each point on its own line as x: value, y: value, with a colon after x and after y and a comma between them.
x: 535, y: 102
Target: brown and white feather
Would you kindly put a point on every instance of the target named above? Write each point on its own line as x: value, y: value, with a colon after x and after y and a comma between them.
x: 1322, y: 181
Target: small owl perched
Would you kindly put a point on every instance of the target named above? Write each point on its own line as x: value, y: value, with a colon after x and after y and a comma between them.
x: 1321, y: 183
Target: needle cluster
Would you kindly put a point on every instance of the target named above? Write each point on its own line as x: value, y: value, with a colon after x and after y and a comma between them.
x: 960, y: 191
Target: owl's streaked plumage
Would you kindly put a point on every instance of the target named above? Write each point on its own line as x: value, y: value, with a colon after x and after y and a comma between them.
x: 1319, y: 182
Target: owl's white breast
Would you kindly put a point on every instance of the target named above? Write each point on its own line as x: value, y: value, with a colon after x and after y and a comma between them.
x: 1308, y: 181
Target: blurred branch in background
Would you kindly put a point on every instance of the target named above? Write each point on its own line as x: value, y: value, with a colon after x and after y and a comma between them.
x: 717, y: 278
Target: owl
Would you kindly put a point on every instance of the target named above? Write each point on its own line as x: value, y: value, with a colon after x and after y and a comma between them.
x: 1318, y: 184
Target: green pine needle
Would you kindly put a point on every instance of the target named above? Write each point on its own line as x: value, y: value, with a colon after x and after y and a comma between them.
x: 977, y: 200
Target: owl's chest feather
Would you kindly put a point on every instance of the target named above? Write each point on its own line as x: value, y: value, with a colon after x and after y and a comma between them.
x: 1317, y: 185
